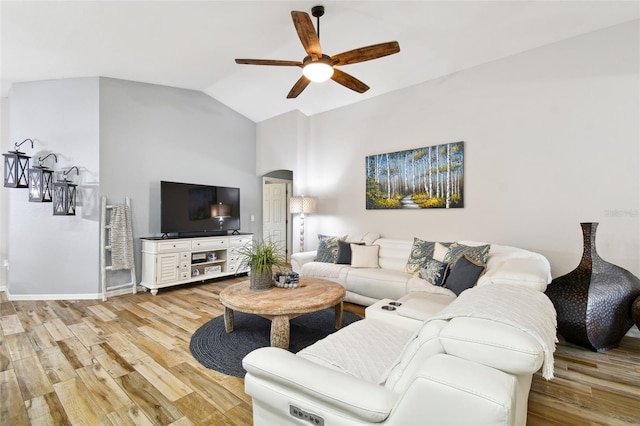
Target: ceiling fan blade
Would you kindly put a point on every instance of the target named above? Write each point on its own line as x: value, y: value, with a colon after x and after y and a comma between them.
x: 348, y: 81
x: 297, y: 88
x: 307, y: 33
x: 269, y: 62
x: 366, y: 53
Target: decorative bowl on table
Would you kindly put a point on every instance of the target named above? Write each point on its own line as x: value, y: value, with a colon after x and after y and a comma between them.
x: 286, y: 279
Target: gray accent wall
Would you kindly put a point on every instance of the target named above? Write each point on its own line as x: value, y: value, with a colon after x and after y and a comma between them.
x: 126, y: 137
x: 150, y: 133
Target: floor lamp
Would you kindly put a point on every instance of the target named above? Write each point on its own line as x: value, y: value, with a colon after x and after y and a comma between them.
x: 302, y: 205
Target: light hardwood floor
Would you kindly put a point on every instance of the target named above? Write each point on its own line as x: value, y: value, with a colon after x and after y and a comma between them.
x: 127, y: 362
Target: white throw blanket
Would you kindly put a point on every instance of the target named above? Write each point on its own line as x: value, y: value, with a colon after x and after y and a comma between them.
x: 519, y: 306
x: 121, y: 238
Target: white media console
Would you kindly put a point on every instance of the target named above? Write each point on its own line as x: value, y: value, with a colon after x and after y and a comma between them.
x: 171, y: 261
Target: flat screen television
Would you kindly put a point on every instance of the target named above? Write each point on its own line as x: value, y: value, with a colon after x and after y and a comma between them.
x: 189, y: 209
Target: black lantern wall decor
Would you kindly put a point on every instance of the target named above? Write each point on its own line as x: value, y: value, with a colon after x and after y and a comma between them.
x: 40, y: 179
x: 16, y: 166
x: 64, y: 195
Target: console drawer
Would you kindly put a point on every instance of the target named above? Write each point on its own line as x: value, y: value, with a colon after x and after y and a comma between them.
x: 206, y: 244
x: 167, y: 246
x: 240, y: 241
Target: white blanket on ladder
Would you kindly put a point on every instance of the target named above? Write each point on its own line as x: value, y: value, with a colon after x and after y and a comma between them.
x: 526, y: 309
x: 121, y: 238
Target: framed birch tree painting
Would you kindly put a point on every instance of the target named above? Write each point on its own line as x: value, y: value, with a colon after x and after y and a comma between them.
x: 421, y: 178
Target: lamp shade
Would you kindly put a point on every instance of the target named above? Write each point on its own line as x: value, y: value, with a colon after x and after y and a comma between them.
x: 302, y: 204
x: 220, y: 210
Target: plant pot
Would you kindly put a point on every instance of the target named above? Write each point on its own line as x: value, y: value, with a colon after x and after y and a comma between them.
x: 593, y: 302
x: 261, y: 280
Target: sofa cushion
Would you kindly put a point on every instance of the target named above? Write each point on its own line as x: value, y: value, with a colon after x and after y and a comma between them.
x: 417, y: 285
x: 365, y: 349
x: 328, y: 248
x: 434, y: 271
x: 512, y: 265
x: 377, y: 283
x: 344, y: 252
x: 417, y: 350
x: 477, y: 253
x: 394, y: 253
x: 367, y: 238
x: 422, y: 305
x: 420, y: 251
x: 364, y: 256
x: 330, y: 271
x: 492, y: 343
x: 529, y: 272
x: 464, y: 274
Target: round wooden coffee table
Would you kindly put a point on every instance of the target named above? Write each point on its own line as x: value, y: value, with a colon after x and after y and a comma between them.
x: 282, y: 304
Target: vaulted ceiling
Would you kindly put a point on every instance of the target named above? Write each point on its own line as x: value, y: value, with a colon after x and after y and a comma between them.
x: 193, y: 44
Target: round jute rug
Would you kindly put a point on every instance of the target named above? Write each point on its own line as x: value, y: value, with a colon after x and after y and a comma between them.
x: 214, y: 348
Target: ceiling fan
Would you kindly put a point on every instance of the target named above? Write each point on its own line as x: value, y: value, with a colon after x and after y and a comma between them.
x: 319, y: 67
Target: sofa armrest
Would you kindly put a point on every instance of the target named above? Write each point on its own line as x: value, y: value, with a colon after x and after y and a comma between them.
x: 448, y: 390
x: 300, y: 377
x: 299, y: 259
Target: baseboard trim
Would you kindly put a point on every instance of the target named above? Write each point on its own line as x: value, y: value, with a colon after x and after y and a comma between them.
x: 18, y: 297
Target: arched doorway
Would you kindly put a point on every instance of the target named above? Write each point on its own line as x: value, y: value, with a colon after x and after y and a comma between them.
x: 277, y: 187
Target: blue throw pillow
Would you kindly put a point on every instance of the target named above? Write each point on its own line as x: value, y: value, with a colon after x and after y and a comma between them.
x: 434, y: 271
x: 344, y: 252
x: 463, y: 275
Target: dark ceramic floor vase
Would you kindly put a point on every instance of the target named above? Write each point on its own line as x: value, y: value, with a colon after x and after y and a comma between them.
x: 593, y: 302
x: 635, y: 312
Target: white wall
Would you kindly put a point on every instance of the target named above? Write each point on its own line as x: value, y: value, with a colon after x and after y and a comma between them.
x: 282, y: 144
x: 55, y: 255
x: 281, y: 153
x: 551, y: 140
x: 4, y: 147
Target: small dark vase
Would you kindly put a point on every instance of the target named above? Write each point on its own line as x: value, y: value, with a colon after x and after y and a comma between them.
x: 593, y: 302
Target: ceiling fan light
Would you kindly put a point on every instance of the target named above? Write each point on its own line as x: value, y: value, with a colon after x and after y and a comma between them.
x: 318, y: 71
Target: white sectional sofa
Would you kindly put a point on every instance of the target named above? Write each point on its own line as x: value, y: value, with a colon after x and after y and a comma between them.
x: 422, y: 355
x: 470, y: 364
x: 366, y: 286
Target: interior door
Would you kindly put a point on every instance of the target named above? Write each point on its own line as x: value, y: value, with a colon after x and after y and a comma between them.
x: 274, y: 214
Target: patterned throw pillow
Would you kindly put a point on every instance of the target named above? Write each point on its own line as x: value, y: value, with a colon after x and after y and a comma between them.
x: 440, y: 251
x: 327, y: 251
x: 434, y: 271
x: 479, y: 254
x: 420, y: 251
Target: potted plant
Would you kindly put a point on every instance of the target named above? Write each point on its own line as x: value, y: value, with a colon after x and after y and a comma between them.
x: 260, y: 257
